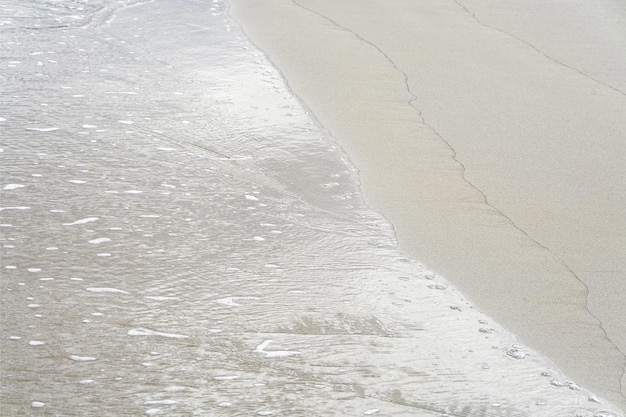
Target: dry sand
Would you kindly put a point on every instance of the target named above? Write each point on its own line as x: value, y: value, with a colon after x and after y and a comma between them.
x: 491, y: 135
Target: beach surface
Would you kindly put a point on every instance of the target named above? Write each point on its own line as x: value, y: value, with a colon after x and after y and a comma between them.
x: 491, y: 135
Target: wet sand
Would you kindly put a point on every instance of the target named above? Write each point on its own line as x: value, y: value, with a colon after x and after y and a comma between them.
x: 491, y: 137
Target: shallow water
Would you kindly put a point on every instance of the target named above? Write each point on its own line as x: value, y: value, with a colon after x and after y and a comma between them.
x: 181, y: 238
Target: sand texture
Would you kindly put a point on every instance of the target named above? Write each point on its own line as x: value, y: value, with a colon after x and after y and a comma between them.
x: 491, y: 135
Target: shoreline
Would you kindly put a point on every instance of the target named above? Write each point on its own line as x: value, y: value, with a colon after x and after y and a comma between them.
x: 500, y: 239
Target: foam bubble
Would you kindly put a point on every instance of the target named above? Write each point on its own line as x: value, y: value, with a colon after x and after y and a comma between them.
x: 148, y: 332
x: 225, y: 377
x: 81, y: 221
x: 13, y: 186
x: 231, y: 301
x: 174, y: 388
x: 106, y: 289
x: 42, y: 129
x: 99, y: 240
x: 82, y: 358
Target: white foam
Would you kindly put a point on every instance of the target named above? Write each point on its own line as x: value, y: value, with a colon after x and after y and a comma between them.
x: 15, y: 208
x: 14, y: 337
x: 371, y: 411
x: 153, y: 411
x: 85, y: 381
x: 274, y: 353
x: 81, y: 221
x: 174, y: 388
x: 231, y: 301
x: 224, y: 404
x: 225, y: 377
x: 77, y: 181
x: 99, y: 240
x: 37, y: 404
x: 122, y: 92
x: 133, y: 192
x: 13, y: 186
x: 148, y: 332
x: 103, y: 254
x: 82, y: 358
x: 36, y: 343
x: 160, y: 402
x: 105, y: 289
x: 167, y: 149
x: 126, y: 122
x: 42, y: 129
x: 251, y: 197
x: 34, y: 269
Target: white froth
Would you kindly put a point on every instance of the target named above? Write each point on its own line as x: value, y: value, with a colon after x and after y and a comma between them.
x: 34, y: 269
x: 82, y: 358
x: 15, y: 208
x: 231, y: 301
x: 106, y: 289
x: 36, y: 343
x: 77, y: 181
x: 174, y: 388
x: 99, y: 240
x: 81, y: 221
x: 148, y: 332
x: 160, y: 402
x: 13, y: 186
x: 42, y: 129
x: 37, y: 404
x: 225, y: 377
x: 274, y: 353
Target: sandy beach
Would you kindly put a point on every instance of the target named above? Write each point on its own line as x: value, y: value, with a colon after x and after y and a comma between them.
x: 491, y: 136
